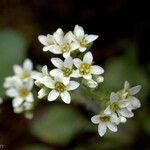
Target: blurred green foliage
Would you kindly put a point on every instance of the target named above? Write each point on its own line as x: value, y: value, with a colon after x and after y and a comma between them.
x: 13, y: 48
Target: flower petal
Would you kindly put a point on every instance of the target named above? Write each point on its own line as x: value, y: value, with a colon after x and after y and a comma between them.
x: 102, y: 129
x: 55, y: 72
x: 97, y: 70
x: 114, y: 97
x: 125, y: 113
x: 48, y: 82
x: 17, y: 69
x: 88, y: 58
x: 75, y: 74
x: 95, y: 119
x: 72, y: 85
x: 27, y: 65
x: 65, y: 96
x: 42, y: 39
x: 135, y: 102
x: 91, y: 38
x: 55, y: 49
x: 68, y: 63
x: 135, y: 90
x: 45, y: 70
x: 53, y: 95
x: 30, y: 98
x: 17, y: 102
x: 82, y: 49
x: 126, y: 85
x: 11, y: 92
x: 107, y: 111
x: 79, y: 32
x: 112, y: 127
x: 87, y: 77
x: 77, y: 62
x: 57, y: 62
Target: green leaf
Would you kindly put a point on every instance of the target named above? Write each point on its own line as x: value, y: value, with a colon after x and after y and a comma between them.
x: 12, y: 51
x: 58, y: 125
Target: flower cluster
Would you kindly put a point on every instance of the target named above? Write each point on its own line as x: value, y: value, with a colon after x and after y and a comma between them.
x: 19, y: 88
x: 62, y: 79
x: 120, y: 107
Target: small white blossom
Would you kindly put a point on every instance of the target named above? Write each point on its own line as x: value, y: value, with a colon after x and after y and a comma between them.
x: 106, y: 121
x: 25, y: 72
x: 60, y: 88
x: 119, y: 107
x: 63, y: 44
x: 21, y: 93
x: 85, y: 68
x: 83, y: 40
x: 128, y: 93
x: 64, y: 68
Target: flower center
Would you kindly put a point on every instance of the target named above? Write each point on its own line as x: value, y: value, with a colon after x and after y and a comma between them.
x: 104, y: 118
x: 82, y: 43
x: 114, y: 106
x: 23, y: 92
x: 25, y: 75
x: 65, y: 48
x: 60, y: 87
x: 67, y: 72
x: 84, y: 69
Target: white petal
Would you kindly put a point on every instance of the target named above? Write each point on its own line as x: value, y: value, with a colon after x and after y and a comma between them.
x: 68, y: 63
x: 55, y: 72
x: 59, y: 38
x: 72, y: 85
x: 91, y: 38
x: 17, y: 102
x: 27, y: 65
x: 48, y: 82
x: 88, y: 58
x: 53, y: 95
x: 97, y: 70
x: 17, y: 69
x: 79, y: 32
x: 115, y: 119
x: 107, y: 111
x: 68, y: 37
x: 53, y: 48
x: 29, y: 84
x: 95, y: 119
x: 11, y: 92
x: 30, y: 98
x: 42, y: 39
x: 77, y: 62
x: 45, y: 70
x: 57, y: 62
x: 124, y: 103
x: 65, y: 96
x: 74, y: 46
x: 112, y: 127
x: 102, y: 129
x: 92, y: 83
x: 66, y: 55
x: 87, y: 77
x: 82, y: 49
x: 60, y: 32
x: 113, y: 97
x: 66, y: 80
x: 126, y: 85
x: 75, y: 74
x: 122, y: 119
x: 125, y: 113
x: 135, y: 89
x: 42, y: 93
x: 135, y: 102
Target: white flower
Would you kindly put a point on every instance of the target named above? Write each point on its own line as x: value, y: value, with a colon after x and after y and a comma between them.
x: 64, y: 68
x: 63, y: 43
x: 128, y: 95
x: 82, y: 39
x: 85, y: 68
x: 21, y: 93
x: 10, y: 81
x: 46, y: 41
x: 106, y: 121
x: 118, y: 106
x: 60, y: 88
x: 25, y: 72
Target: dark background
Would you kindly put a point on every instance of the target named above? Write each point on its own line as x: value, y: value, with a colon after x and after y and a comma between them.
x: 119, y: 24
